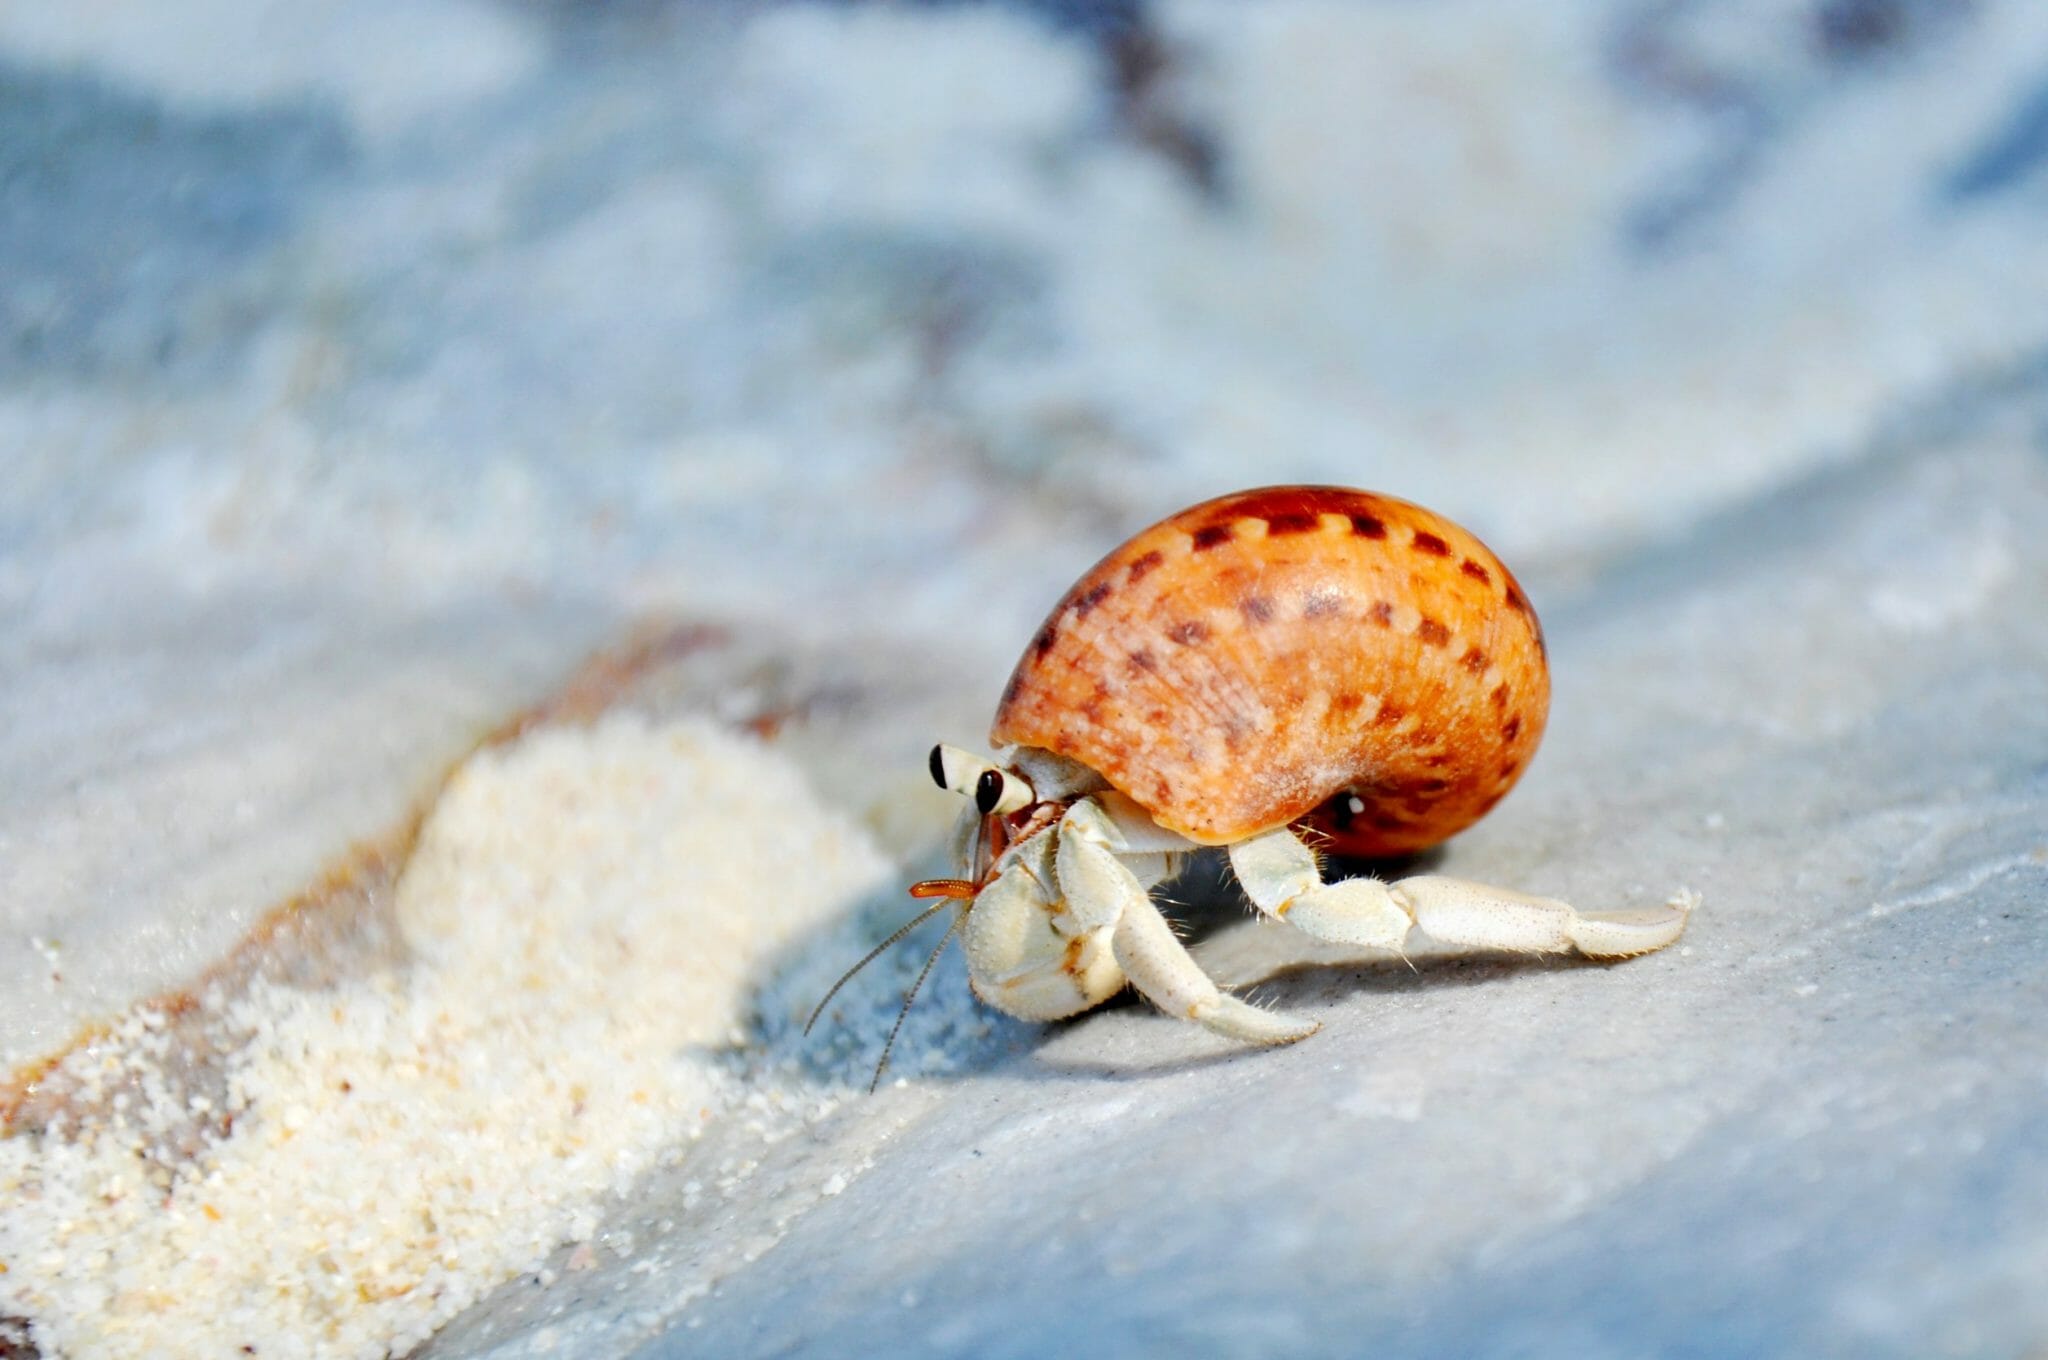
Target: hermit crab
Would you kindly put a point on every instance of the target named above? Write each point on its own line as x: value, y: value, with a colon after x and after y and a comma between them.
x: 1279, y: 672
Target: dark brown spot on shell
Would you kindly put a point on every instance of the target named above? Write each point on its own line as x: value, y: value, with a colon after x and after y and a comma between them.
x: 1267, y: 502
x: 1143, y: 660
x: 1348, y: 703
x: 1368, y: 526
x: 1095, y: 596
x: 1141, y: 567
x: 1388, y: 715
x: 1277, y: 525
x: 1382, y: 613
x: 1432, y: 633
x: 1255, y: 608
x: 1189, y: 633
x: 1520, y: 604
x: 1473, y: 660
x: 1429, y: 543
x: 1476, y: 572
x: 1212, y: 535
x: 1047, y: 636
x: 1322, y: 604
x: 1500, y: 695
x: 1512, y: 728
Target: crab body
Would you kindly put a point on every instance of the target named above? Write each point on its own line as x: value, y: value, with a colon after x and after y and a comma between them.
x: 1277, y: 664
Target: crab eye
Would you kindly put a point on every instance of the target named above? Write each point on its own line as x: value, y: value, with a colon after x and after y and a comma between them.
x: 1002, y: 792
x: 970, y: 776
x: 957, y: 771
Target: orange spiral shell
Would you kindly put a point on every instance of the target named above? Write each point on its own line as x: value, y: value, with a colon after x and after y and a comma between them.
x: 1291, y: 653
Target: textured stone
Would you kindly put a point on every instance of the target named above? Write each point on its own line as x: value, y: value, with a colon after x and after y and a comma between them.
x: 348, y: 400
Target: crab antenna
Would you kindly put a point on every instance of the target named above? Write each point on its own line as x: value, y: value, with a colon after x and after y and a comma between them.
x: 909, y: 997
x: 959, y: 889
x: 875, y: 953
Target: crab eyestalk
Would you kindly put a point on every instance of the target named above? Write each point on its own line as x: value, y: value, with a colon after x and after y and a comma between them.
x: 995, y: 792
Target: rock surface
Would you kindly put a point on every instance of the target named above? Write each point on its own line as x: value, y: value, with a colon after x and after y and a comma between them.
x: 349, y: 395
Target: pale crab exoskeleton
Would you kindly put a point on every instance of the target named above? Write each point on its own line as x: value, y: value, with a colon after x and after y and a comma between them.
x: 1058, y: 914
x: 1274, y: 663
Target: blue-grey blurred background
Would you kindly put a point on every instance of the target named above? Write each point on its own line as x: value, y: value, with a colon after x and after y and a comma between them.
x: 432, y: 297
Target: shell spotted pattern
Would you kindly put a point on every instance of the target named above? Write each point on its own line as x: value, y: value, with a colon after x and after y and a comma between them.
x: 1289, y: 654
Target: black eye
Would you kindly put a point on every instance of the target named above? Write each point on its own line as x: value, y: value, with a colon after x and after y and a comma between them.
x: 988, y: 791
x: 938, y: 767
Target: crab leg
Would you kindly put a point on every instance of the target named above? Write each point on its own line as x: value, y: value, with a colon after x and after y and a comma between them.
x: 1099, y: 887
x: 1159, y: 966
x: 1280, y: 875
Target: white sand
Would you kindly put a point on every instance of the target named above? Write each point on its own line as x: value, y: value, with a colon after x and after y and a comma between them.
x: 590, y: 910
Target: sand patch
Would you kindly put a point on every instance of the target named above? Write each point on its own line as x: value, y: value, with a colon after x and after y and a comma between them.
x: 585, y: 916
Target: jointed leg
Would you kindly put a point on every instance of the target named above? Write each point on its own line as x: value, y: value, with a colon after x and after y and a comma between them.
x: 1159, y: 966
x: 1096, y: 886
x: 1099, y: 887
x: 1107, y: 830
x: 1457, y: 912
x: 1280, y: 875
